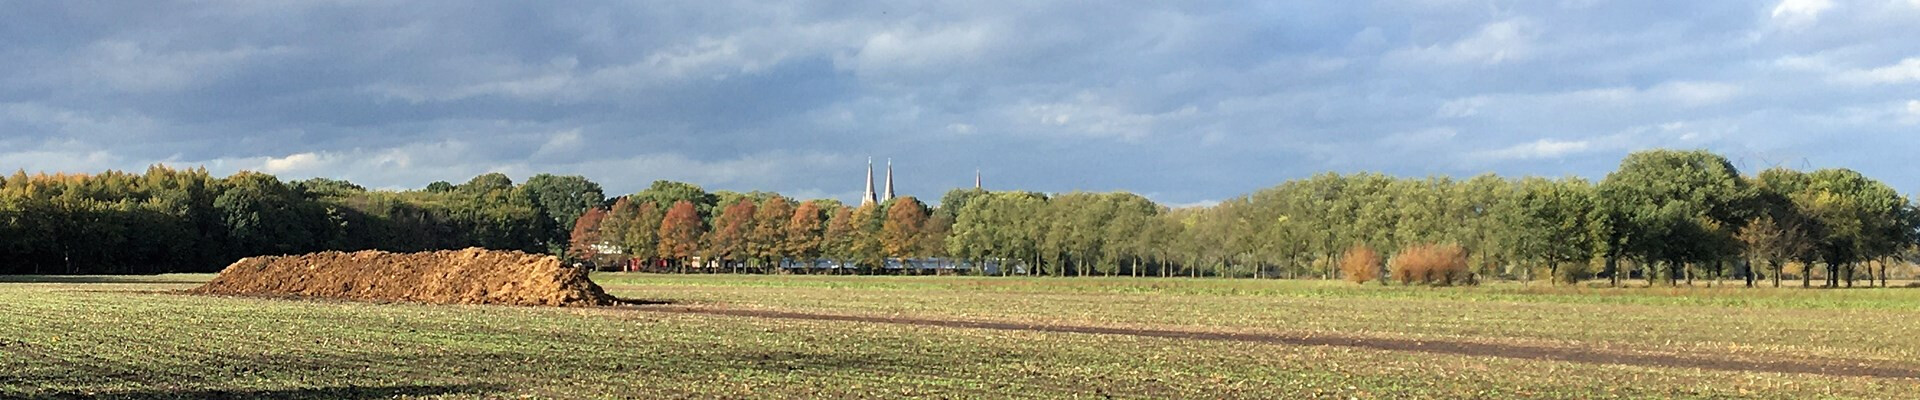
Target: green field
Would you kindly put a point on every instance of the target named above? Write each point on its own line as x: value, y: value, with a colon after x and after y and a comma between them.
x: 955, y: 337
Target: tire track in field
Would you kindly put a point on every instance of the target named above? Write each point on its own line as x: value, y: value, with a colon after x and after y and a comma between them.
x: 1829, y: 367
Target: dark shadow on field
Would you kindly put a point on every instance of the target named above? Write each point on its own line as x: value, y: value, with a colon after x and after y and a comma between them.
x: 345, y: 392
x: 619, y: 302
x: 95, y: 279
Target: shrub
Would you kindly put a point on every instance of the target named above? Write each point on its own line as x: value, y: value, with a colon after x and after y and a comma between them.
x: 1361, y: 264
x: 1432, y: 264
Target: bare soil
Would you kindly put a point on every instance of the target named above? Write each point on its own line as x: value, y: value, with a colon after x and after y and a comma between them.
x: 471, y: 276
x: 1828, y: 367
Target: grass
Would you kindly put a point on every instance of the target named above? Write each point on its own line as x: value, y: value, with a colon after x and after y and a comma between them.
x: 125, y: 337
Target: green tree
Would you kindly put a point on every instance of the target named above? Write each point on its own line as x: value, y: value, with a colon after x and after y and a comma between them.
x: 1663, y: 197
x: 562, y: 199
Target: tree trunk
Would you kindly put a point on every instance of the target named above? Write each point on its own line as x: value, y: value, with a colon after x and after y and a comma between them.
x: 1748, y: 270
x: 1774, y: 266
x: 1850, y: 268
x: 1613, y: 271
x: 1806, y: 276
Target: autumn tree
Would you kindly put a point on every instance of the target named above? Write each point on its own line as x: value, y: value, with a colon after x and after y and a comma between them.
x: 1361, y: 264
x: 768, y: 239
x: 837, y: 242
x: 727, y: 242
x: 804, y: 230
x: 900, y: 232
x: 680, y: 233
x: 586, y: 234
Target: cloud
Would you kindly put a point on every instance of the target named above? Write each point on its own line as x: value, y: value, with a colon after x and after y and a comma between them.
x: 1188, y: 101
x: 1695, y: 93
x: 1539, y: 149
x: 1907, y: 70
x: 1800, y: 13
x: 1494, y: 43
x: 128, y: 66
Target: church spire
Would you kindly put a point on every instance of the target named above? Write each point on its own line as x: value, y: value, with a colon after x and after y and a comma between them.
x: 976, y: 179
x: 889, y: 195
x: 868, y: 198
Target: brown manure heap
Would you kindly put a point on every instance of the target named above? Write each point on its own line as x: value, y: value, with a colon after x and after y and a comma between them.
x: 471, y: 276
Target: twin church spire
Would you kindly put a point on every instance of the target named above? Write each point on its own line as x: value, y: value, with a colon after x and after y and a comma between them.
x: 870, y: 197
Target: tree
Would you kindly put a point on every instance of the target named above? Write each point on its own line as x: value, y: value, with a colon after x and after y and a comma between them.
x: 768, y: 240
x: 1361, y: 264
x: 642, y: 234
x: 804, y: 230
x: 837, y: 242
x: 264, y: 216
x: 487, y: 182
x: 1860, y: 220
x: 586, y: 235
x: 668, y: 193
x: 864, y: 244
x: 1662, y: 198
x: 562, y: 199
x: 900, y: 233
x: 1548, y: 223
x: 1770, y: 240
x: 680, y: 233
x: 727, y: 242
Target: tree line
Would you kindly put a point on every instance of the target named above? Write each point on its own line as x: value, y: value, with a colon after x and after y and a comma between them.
x: 1663, y: 216
x: 173, y: 220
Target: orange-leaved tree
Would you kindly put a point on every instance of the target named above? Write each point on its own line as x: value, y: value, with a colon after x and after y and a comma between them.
x: 1360, y: 264
x: 728, y: 241
x: 1434, y: 264
x: 803, y: 237
x: 680, y: 233
x: 586, y: 234
x: 900, y: 233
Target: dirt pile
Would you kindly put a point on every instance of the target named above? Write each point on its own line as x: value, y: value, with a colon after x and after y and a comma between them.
x: 471, y: 276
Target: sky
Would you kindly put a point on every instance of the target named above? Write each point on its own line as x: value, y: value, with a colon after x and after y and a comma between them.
x: 1186, y: 102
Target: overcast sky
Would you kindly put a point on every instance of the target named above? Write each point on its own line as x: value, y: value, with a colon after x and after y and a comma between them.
x: 1184, y: 101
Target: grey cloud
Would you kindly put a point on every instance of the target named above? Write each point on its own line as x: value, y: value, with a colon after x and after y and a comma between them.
x: 1189, y: 101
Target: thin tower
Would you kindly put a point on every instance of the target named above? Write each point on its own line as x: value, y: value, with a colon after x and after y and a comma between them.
x: 889, y: 195
x: 976, y: 179
x: 867, y: 198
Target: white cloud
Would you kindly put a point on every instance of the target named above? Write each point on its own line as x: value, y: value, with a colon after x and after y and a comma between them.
x: 1907, y: 70
x: 1800, y: 13
x: 1494, y: 43
x: 1540, y: 149
x: 1462, y: 107
x: 1193, y: 204
x: 1691, y: 93
x: 290, y: 163
x: 908, y: 51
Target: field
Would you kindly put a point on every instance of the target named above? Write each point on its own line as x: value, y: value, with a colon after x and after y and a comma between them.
x: 728, y: 336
